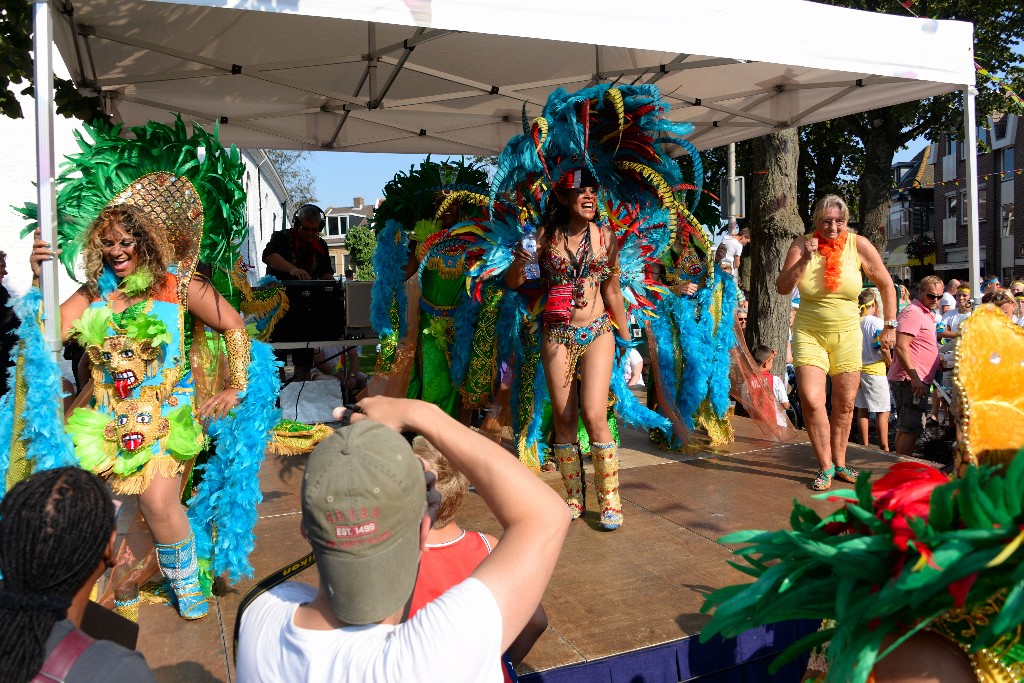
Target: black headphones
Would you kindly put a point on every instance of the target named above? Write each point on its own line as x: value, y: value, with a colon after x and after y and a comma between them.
x: 295, y: 216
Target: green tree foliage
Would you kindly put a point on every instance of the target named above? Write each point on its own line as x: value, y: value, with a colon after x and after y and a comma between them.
x: 296, y: 176
x: 16, y: 69
x: 360, y: 242
x: 998, y: 33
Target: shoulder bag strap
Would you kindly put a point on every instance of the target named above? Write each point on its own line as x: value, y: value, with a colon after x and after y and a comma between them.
x: 63, y: 657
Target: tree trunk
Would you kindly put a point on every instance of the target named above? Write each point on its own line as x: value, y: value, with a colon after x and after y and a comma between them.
x: 876, y: 182
x: 774, y: 224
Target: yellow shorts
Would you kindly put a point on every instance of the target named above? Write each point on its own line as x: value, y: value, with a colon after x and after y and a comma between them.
x: 833, y: 352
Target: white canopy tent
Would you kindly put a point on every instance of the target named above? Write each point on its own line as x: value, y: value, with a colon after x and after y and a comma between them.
x: 454, y: 76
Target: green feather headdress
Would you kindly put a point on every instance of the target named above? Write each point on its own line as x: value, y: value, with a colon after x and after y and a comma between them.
x: 410, y: 197
x: 201, y: 204
x: 910, y: 551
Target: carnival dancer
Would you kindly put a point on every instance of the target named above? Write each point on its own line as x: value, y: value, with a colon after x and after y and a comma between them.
x: 579, y: 261
x: 416, y: 239
x: 827, y: 265
x: 595, y: 166
x: 153, y: 330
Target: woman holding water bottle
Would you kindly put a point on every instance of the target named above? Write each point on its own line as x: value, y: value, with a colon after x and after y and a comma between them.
x: 577, y: 257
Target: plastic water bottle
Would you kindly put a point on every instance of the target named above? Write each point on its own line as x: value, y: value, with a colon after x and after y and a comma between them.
x: 532, y: 269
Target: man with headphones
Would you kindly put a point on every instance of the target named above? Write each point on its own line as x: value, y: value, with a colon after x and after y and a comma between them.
x: 300, y: 253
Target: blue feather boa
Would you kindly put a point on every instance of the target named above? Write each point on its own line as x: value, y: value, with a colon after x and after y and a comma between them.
x: 461, y: 349
x: 230, y: 490
x: 724, y: 340
x: 46, y: 443
x: 389, y: 259
x: 628, y: 408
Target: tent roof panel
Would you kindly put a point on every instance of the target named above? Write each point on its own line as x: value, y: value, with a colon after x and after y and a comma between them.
x: 340, y: 74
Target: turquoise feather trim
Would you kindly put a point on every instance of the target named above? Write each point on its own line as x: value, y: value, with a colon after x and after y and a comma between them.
x: 46, y: 443
x: 6, y: 428
x: 629, y: 409
x: 389, y: 259
x: 724, y: 340
x: 225, y: 504
x: 461, y: 349
x: 533, y: 430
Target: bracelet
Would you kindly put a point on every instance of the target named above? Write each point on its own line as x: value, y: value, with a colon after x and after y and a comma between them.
x: 238, y: 346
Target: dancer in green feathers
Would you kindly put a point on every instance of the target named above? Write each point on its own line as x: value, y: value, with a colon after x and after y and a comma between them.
x: 426, y: 206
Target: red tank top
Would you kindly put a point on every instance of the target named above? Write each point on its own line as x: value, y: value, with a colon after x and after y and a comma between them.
x: 447, y: 565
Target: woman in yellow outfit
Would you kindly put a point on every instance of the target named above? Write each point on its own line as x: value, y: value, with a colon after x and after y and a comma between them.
x: 826, y: 265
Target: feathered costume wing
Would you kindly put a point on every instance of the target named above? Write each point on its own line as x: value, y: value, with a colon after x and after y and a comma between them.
x: 201, y: 204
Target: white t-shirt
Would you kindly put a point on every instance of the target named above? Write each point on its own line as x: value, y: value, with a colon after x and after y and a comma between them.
x: 731, y: 248
x: 870, y: 325
x: 454, y: 638
x: 947, y: 300
x: 953, y: 320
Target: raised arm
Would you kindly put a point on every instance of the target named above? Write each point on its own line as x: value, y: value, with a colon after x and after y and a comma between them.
x: 534, y: 517
x: 73, y: 307
x: 797, y: 259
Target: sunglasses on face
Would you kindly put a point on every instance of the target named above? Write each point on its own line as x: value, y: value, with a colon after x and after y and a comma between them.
x: 1017, y: 292
x: 933, y: 297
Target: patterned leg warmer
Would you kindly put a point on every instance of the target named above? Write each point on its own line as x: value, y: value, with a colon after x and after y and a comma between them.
x: 568, y: 460
x: 605, y: 457
x: 178, y: 562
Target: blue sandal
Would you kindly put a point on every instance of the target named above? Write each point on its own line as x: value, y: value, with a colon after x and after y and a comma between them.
x: 847, y: 474
x: 823, y: 482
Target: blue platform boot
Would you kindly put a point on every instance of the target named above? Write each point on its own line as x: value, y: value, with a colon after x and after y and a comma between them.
x: 178, y: 562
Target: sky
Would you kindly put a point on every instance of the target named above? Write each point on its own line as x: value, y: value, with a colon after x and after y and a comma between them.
x: 341, y: 176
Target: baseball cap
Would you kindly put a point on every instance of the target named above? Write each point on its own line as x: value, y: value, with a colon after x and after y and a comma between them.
x: 363, y: 498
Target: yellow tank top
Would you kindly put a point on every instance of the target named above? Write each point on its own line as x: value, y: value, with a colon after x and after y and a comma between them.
x: 824, y: 311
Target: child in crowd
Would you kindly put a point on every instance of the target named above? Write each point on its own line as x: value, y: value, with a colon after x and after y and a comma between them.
x: 764, y: 356
x: 453, y: 553
x: 873, y: 394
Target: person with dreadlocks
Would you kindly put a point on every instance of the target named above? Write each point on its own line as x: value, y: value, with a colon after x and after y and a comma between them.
x: 827, y: 265
x: 578, y: 257
x: 126, y: 318
x: 56, y: 539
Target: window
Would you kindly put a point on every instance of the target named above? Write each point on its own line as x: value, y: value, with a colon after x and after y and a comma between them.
x: 1006, y: 216
x: 982, y: 203
x: 894, y: 226
x: 963, y: 207
x: 1006, y: 162
x: 950, y: 146
x: 951, y: 203
x: 334, y: 263
x: 337, y: 226
x: 904, y: 222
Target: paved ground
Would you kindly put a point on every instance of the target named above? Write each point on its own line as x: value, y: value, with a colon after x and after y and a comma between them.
x: 611, y: 592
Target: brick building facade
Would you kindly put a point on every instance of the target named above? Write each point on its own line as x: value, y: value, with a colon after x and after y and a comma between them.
x: 1000, y: 198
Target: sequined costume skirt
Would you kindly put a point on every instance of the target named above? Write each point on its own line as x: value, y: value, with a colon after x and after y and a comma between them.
x: 576, y: 339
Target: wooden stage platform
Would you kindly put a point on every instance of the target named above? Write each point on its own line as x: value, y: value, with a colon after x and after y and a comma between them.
x: 612, y: 593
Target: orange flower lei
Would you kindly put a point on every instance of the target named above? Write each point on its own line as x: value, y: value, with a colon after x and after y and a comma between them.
x: 832, y: 252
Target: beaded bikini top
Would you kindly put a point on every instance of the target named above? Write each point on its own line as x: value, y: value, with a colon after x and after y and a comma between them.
x: 576, y: 269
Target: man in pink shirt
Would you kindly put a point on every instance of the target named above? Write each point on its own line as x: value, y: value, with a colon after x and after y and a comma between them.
x: 916, y: 362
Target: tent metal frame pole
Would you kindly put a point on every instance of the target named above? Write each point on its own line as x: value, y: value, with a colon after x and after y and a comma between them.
x: 42, y: 46
x: 971, y: 160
